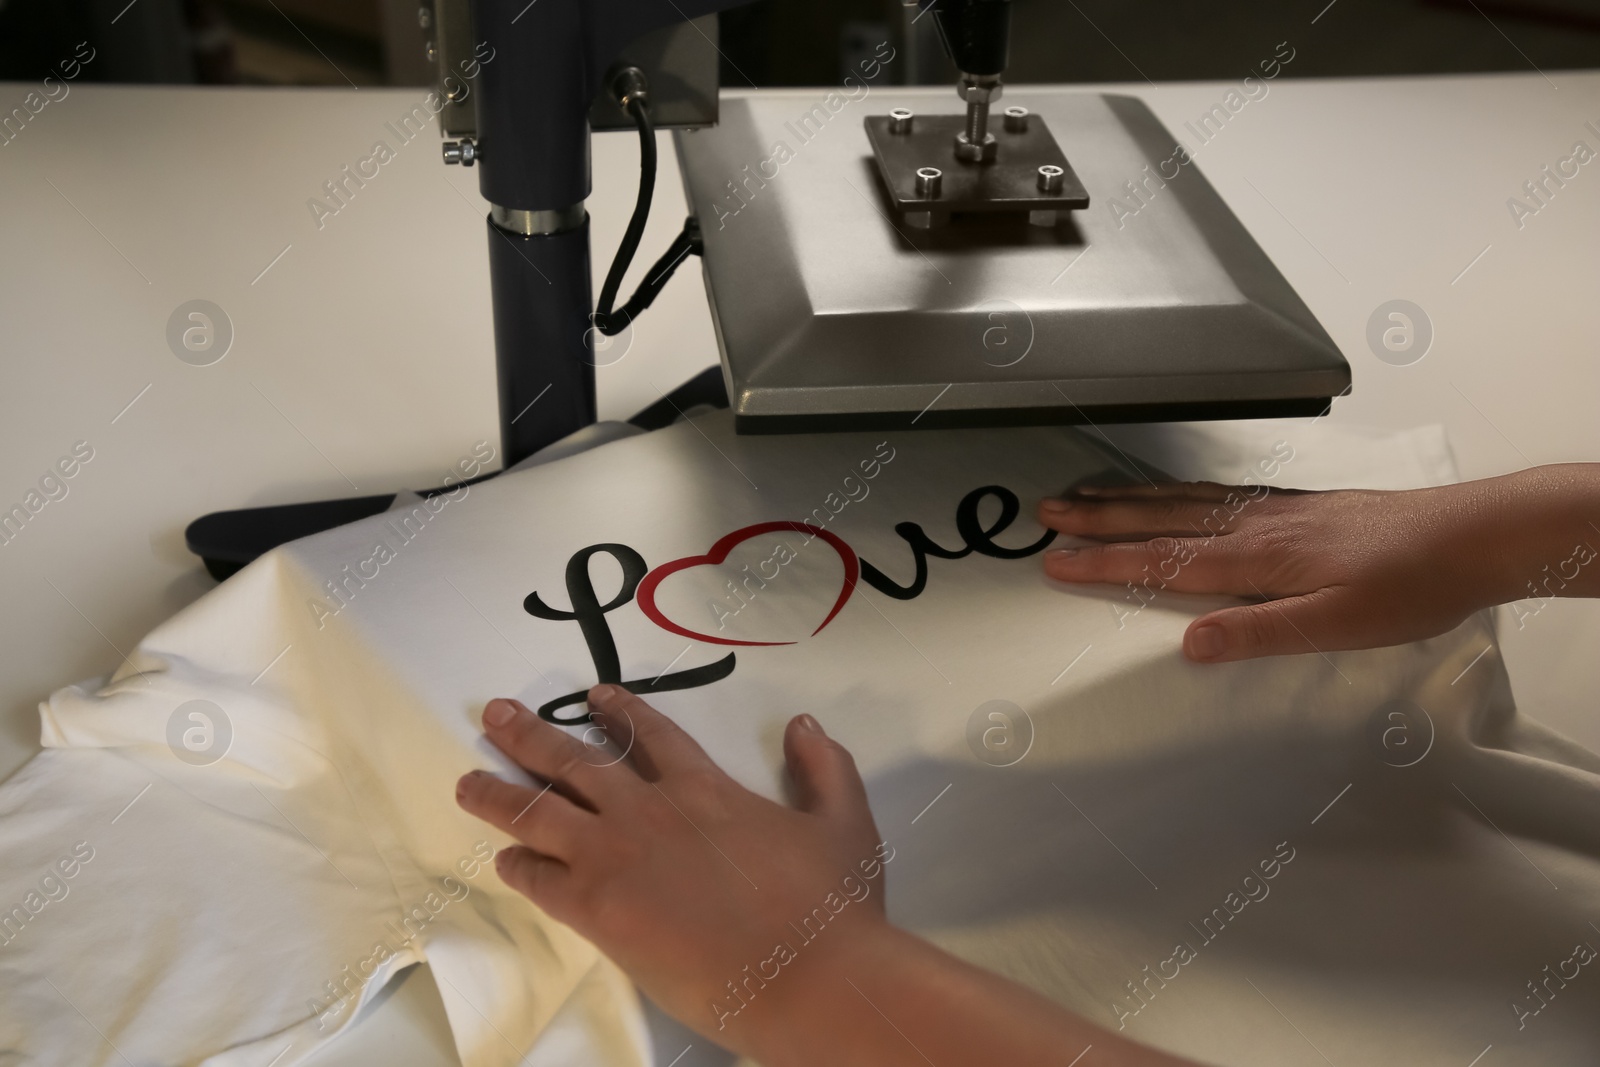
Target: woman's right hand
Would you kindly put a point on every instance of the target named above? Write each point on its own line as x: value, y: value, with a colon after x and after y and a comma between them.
x: 1334, y: 570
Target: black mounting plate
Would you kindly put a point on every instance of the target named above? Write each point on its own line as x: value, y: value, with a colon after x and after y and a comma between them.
x: 1008, y: 182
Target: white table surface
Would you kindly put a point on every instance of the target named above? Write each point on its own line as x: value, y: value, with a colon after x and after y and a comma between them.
x: 363, y: 356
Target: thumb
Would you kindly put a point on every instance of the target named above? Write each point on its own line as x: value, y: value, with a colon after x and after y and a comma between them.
x: 825, y: 776
x: 1284, y: 627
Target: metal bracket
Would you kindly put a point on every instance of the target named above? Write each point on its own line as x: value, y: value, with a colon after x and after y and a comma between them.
x: 1027, y: 174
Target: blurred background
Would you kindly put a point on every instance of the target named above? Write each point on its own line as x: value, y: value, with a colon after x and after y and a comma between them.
x: 814, y: 42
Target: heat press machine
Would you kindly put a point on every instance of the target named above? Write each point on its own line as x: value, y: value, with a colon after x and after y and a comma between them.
x: 875, y: 257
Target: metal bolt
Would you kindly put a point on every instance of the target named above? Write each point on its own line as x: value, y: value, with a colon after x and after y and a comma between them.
x: 431, y: 52
x: 424, y: 17
x: 464, y: 151
x: 976, y: 144
x: 900, y: 120
x: 1051, y: 178
x: 977, y: 122
x: 1016, y: 120
x: 928, y: 181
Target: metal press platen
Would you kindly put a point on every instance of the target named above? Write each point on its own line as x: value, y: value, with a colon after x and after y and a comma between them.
x: 832, y: 314
x: 928, y: 177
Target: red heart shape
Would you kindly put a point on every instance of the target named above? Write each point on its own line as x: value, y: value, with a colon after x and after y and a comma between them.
x: 719, y: 552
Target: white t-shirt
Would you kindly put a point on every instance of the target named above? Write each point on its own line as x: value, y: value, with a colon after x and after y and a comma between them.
x: 1350, y: 857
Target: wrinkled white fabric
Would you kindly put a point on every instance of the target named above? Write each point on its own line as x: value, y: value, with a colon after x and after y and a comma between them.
x: 1352, y: 857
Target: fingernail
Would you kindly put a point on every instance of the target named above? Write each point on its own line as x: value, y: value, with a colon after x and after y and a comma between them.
x: 1057, y: 555
x: 1207, y: 642
x: 499, y: 712
x: 809, y: 725
x: 1055, y: 505
x: 1088, y: 490
x: 466, y: 782
x: 604, y: 692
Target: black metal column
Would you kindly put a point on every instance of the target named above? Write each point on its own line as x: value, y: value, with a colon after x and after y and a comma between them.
x: 543, y: 349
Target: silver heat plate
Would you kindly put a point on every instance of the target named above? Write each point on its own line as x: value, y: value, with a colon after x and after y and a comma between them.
x: 834, y: 314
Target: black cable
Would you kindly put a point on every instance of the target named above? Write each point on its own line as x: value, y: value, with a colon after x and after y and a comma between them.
x: 686, y: 244
x: 610, y: 322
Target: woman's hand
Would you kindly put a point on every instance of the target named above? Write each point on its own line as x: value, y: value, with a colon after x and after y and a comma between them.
x: 1330, y: 570
x: 758, y: 925
x: 680, y: 875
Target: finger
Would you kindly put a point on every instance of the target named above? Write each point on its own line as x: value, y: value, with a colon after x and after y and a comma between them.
x: 1156, y: 490
x: 540, y: 818
x: 1184, y: 565
x: 545, y: 881
x: 825, y: 776
x: 1285, y: 627
x: 548, y: 752
x: 1141, y: 519
x: 656, y: 745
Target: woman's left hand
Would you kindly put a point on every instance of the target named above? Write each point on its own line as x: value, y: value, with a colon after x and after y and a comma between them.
x: 679, y: 874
